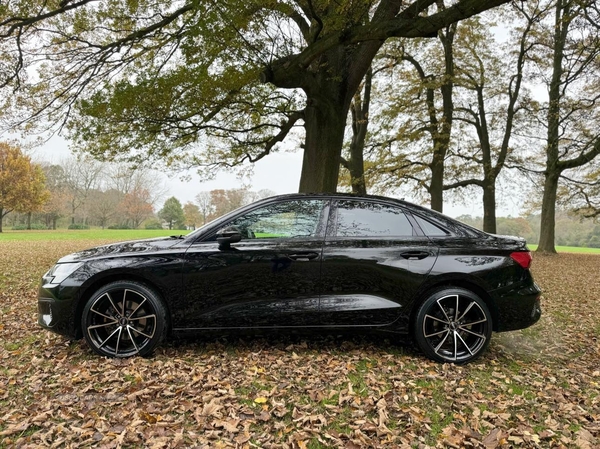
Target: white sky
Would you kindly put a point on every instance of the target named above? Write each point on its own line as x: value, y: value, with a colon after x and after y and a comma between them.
x: 279, y: 172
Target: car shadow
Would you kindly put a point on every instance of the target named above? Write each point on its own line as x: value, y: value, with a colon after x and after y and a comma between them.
x: 297, y: 341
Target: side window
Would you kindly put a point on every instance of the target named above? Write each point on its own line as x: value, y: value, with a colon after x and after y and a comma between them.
x: 290, y: 219
x: 356, y: 218
x: 429, y: 228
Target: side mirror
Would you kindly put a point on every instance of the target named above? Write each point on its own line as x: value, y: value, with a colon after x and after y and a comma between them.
x: 227, y: 236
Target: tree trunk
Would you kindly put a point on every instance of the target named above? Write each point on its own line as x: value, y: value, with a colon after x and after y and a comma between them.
x: 548, y: 219
x: 356, y: 168
x: 54, y: 223
x: 29, y: 221
x: 443, y: 127
x: 436, y: 188
x: 360, y: 125
x: 489, y: 207
x: 1, y: 217
x: 325, y: 127
x: 552, y: 173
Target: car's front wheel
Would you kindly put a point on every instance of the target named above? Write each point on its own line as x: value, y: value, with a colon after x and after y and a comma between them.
x: 453, y: 325
x: 123, y: 319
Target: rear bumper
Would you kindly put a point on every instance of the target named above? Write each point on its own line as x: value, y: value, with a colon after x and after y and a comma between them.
x: 518, y: 307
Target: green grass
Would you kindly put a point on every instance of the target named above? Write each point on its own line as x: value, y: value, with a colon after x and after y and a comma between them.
x: 570, y: 249
x: 87, y: 234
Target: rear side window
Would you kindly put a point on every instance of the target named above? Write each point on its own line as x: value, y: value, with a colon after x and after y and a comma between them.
x: 429, y: 228
x: 358, y: 218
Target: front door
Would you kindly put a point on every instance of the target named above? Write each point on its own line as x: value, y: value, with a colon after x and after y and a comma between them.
x: 270, y: 278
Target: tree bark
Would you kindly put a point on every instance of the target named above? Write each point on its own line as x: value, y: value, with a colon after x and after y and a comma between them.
x: 436, y: 187
x: 325, y: 123
x: 356, y: 168
x: 1, y: 217
x: 29, y: 220
x: 360, y: 125
x: 489, y: 206
x: 548, y: 218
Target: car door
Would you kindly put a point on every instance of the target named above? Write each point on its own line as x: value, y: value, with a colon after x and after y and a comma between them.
x: 374, y: 261
x: 269, y: 278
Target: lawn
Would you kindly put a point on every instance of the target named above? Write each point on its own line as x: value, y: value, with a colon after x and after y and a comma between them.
x: 571, y: 249
x: 86, y: 234
x: 534, y: 388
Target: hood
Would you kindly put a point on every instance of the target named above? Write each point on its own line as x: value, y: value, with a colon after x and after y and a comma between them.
x: 133, y: 247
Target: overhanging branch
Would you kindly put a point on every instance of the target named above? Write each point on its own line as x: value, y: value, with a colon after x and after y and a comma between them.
x: 283, y: 72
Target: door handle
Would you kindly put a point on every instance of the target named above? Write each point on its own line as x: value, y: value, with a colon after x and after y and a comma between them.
x: 415, y: 255
x: 303, y: 256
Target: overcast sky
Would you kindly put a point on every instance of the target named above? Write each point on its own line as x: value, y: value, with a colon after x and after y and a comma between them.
x: 279, y: 172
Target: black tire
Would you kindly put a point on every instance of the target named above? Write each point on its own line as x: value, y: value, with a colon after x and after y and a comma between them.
x: 123, y: 319
x: 453, y: 325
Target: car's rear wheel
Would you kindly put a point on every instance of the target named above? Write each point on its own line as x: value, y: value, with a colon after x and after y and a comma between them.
x: 123, y: 319
x: 453, y: 325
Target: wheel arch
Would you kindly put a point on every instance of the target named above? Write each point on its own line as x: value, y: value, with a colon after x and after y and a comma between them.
x: 96, y: 283
x: 467, y: 284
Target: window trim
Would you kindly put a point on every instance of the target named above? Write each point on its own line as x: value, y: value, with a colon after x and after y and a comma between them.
x: 448, y: 233
x: 332, y: 223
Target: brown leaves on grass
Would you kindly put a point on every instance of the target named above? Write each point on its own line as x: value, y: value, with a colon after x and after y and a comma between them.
x: 535, y: 388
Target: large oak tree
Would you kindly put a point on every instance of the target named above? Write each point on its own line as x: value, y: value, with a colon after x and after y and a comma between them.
x: 179, y: 81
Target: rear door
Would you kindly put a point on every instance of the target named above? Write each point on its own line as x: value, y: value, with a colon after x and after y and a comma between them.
x: 374, y: 261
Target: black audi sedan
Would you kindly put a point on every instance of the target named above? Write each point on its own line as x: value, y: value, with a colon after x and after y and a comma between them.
x: 305, y: 262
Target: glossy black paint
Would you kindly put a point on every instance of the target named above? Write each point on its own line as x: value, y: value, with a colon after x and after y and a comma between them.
x: 323, y: 280
x: 253, y: 283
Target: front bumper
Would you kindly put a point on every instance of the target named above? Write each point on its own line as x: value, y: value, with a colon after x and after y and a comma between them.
x: 56, y: 310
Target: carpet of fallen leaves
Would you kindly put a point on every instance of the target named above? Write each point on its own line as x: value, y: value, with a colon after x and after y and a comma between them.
x: 534, y: 388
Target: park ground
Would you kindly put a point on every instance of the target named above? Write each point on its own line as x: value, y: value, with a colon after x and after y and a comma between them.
x: 539, y: 387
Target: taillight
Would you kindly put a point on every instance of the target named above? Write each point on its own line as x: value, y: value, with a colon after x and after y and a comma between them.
x: 523, y: 258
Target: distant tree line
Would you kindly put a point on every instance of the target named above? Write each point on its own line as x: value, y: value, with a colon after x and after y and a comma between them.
x: 79, y: 193
x: 571, y: 229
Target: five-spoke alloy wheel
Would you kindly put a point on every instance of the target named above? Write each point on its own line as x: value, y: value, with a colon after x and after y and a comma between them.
x: 453, y: 325
x: 123, y: 319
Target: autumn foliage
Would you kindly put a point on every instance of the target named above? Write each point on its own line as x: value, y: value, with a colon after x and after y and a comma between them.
x: 21, y: 182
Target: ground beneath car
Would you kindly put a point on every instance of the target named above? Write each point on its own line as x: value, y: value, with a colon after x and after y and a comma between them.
x: 534, y: 388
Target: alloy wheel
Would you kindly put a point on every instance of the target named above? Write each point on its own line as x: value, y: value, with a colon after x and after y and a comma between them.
x: 454, y: 327
x: 122, y: 320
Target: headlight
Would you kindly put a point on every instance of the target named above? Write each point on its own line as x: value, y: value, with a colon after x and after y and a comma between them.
x: 61, y: 271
